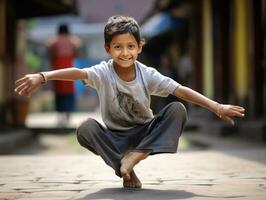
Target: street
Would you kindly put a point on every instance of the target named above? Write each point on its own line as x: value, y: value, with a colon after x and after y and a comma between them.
x: 56, y: 168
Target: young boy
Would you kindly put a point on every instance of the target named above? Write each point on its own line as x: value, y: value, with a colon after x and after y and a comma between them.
x: 124, y: 86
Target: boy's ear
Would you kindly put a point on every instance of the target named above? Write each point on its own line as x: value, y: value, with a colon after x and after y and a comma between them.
x: 141, y: 44
x: 107, y: 48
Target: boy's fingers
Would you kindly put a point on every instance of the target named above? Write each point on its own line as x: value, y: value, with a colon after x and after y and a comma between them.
x: 23, y: 91
x: 238, y: 108
x: 237, y: 114
x: 20, y: 81
x: 20, y: 87
x: 17, y: 82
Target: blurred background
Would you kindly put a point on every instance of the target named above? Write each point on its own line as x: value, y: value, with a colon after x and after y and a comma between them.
x: 216, y: 47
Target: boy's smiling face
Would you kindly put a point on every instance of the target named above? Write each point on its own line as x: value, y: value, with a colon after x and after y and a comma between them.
x: 124, y: 50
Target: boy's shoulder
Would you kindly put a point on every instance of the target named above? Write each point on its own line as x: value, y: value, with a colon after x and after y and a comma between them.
x: 99, y: 69
x: 101, y: 65
x: 104, y: 63
x: 145, y: 68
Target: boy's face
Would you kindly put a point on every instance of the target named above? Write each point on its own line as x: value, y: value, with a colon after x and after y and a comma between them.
x: 124, y: 50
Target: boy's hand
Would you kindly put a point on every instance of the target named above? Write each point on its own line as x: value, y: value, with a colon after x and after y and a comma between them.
x: 226, y: 112
x: 28, y: 84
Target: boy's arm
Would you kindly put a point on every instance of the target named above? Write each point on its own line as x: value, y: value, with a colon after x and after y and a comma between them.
x: 26, y: 85
x: 69, y: 74
x: 225, y: 112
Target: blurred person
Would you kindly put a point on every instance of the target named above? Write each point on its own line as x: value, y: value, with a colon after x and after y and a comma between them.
x: 125, y: 85
x: 63, y: 48
x: 184, y: 72
x: 166, y: 68
x: 185, y: 69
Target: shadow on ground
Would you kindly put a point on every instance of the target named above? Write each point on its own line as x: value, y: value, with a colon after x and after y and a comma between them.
x: 132, y: 194
x: 121, y: 194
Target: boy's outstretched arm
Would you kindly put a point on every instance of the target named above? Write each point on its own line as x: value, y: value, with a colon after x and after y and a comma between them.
x: 225, y: 112
x: 26, y: 85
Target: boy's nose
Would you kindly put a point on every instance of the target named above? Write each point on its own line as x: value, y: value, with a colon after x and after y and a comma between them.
x: 124, y: 52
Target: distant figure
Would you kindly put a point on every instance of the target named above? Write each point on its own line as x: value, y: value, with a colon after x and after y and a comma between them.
x: 185, y: 70
x: 185, y: 75
x: 63, y: 48
x: 167, y: 69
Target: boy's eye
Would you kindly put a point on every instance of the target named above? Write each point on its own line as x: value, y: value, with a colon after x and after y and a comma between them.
x: 117, y: 47
x: 131, y: 46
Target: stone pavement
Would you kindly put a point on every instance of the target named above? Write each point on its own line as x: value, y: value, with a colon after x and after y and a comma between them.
x: 202, y: 174
x: 226, y: 168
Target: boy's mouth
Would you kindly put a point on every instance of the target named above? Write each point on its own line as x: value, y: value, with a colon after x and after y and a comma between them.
x: 123, y: 59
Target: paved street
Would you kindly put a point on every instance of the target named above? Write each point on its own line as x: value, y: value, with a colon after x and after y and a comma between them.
x: 226, y: 168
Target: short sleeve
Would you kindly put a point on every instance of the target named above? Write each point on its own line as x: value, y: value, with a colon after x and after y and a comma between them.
x: 160, y: 85
x: 96, y: 75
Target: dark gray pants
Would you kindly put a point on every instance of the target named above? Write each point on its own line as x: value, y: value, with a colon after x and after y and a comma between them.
x: 160, y: 135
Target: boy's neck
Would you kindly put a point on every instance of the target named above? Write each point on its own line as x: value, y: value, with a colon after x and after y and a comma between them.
x: 126, y: 74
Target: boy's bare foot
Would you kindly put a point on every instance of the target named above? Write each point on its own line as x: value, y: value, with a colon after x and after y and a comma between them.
x: 134, y: 181
x: 129, y: 161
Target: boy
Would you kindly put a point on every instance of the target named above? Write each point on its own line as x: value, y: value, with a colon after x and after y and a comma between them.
x: 124, y: 86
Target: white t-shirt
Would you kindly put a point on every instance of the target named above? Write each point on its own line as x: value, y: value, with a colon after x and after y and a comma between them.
x: 127, y: 104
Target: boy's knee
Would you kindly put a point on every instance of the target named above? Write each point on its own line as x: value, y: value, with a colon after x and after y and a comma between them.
x: 86, y: 129
x: 178, y: 110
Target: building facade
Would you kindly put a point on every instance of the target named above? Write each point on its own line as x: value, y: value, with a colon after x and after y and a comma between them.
x: 226, y: 43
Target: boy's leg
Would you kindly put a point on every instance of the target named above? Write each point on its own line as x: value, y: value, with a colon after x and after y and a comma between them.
x: 96, y: 138
x: 159, y: 136
x: 163, y: 132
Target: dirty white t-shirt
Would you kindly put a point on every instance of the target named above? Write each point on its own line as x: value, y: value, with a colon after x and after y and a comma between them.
x: 127, y: 104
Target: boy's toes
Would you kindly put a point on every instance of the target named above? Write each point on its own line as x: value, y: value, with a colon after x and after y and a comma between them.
x: 131, y: 185
x: 126, y: 177
x: 138, y: 185
x: 125, y: 184
x: 132, y: 182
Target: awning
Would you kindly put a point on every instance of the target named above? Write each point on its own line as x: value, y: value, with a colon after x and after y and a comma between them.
x: 161, y: 23
x: 40, y: 8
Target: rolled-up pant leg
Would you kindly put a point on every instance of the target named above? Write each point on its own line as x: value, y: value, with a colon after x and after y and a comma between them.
x: 93, y: 136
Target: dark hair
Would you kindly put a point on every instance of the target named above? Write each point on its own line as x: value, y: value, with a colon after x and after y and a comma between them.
x: 120, y: 24
x: 63, y: 29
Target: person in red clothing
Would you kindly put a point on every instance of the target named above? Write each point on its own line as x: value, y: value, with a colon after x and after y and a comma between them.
x: 63, y: 48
